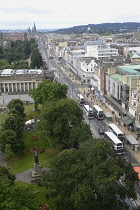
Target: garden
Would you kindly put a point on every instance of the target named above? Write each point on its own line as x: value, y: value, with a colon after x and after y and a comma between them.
x: 24, y: 160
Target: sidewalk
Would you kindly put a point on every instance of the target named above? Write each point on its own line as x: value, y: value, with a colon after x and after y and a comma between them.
x: 94, y: 100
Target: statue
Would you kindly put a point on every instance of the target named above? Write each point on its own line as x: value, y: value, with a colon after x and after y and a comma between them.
x: 36, y: 158
x: 37, y: 167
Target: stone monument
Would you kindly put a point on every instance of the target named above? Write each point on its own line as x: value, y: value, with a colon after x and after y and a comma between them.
x: 37, y: 167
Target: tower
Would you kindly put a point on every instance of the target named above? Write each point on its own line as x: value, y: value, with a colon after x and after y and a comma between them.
x: 34, y: 29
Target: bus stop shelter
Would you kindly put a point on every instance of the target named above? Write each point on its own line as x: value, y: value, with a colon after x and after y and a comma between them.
x: 108, y: 116
x: 132, y: 142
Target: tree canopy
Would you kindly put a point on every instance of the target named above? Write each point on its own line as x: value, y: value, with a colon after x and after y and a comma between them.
x: 48, y: 90
x: 15, y: 123
x: 17, y: 105
x: 13, y: 197
x: 62, y: 122
x: 36, y: 59
x: 89, y: 178
x: 16, y: 56
x: 12, y: 128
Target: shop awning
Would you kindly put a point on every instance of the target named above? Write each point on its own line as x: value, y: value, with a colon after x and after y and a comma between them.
x: 127, y: 120
x: 132, y: 140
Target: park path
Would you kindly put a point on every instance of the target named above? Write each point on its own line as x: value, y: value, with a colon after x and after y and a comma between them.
x: 2, y: 161
x: 26, y: 176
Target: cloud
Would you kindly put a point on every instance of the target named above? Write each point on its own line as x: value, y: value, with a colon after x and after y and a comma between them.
x: 66, y: 13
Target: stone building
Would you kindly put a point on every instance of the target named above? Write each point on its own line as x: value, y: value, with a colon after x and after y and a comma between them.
x: 22, y: 81
x: 15, y: 36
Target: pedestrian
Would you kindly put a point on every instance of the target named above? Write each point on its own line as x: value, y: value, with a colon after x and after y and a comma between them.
x: 137, y: 137
x: 115, y: 118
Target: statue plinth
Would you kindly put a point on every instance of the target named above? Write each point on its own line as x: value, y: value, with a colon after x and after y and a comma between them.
x: 37, y: 167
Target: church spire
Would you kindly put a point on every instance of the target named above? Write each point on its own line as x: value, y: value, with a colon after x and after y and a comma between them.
x: 34, y: 29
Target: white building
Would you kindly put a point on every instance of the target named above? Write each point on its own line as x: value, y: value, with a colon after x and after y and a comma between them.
x: 87, y: 68
x: 72, y: 62
x: 133, y: 103
x: 99, y: 50
x: 113, y: 86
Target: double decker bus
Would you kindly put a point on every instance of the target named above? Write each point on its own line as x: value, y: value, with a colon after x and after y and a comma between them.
x: 114, y: 129
x: 88, y: 111
x: 118, y: 145
x: 98, y: 112
x: 81, y: 100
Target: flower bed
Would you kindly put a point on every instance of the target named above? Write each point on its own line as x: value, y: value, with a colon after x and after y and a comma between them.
x: 44, y: 206
x: 34, y: 138
x: 37, y: 149
x: 32, y: 117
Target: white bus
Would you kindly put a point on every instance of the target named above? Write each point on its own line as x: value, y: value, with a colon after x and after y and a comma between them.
x: 81, y: 100
x: 114, y: 129
x: 88, y: 111
x: 118, y: 145
x: 98, y: 112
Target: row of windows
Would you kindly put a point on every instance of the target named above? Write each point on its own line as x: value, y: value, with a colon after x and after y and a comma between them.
x: 88, y: 69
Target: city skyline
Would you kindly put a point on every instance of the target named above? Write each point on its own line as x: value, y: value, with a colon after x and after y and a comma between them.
x: 65, y: 13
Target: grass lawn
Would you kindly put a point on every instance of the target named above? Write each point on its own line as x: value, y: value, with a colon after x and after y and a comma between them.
x: 29, y: 111
x: 39, y: 197
x: 2, y: 117
x: 25, y: 160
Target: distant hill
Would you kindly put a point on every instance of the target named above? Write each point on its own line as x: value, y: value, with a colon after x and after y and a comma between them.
x: 101, y: 28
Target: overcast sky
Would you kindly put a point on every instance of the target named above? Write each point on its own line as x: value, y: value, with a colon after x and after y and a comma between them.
x: 49, y: 14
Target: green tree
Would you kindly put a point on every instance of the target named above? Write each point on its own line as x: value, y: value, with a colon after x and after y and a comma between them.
x: 4, y: 64
x: 61, y: 121
x: 5, y: 172
x: 33, y: 46
x: 26, y: 48
x: 8, y: 152
x: 17, y: 104
x: 12, y: 197
x: 15, y: 123
x: 48, y: 91
x: 89, y: 178
x: 10, y: 137
x: 36, y: 59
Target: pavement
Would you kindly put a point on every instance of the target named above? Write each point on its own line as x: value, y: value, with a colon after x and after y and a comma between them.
x: 2, y: 161
x: 26, y: 176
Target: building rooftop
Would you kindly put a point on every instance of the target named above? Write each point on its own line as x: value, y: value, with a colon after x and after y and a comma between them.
x: 129, y: 69
x: 10, y: 72
x: 116, y: 77
x: 135, y: 56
